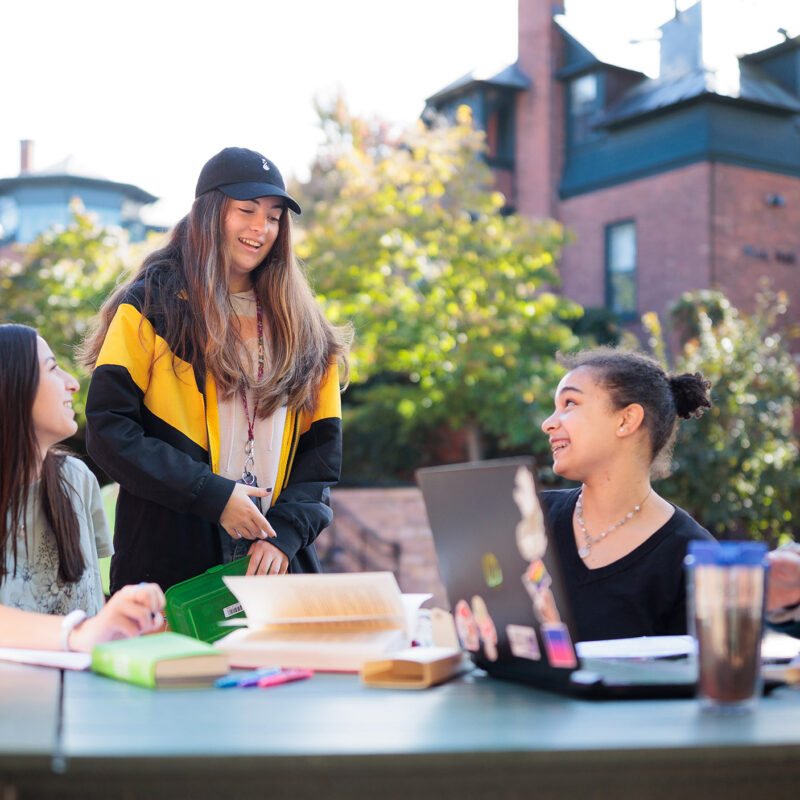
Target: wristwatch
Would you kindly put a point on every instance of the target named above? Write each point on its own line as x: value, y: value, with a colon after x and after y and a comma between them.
x: 68, y: 624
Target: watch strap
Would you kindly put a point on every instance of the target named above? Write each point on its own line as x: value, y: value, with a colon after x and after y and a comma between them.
x: 68, y: 624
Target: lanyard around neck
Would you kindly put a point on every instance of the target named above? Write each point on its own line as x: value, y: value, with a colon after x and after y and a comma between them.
x: 249, y: 448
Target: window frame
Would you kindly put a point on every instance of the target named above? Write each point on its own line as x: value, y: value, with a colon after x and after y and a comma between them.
x: 623, y: 314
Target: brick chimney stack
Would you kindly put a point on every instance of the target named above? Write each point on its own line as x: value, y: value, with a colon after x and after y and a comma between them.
x: 25, y: 156
x: 540, y: 110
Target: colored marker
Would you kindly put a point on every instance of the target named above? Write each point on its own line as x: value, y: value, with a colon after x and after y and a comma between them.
x: 284, y: 676
x: 246, y: 679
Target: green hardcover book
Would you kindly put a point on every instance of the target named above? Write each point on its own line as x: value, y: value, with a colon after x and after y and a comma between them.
x: 160, y: 659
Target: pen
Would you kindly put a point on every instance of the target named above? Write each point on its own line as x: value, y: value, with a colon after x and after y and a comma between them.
x: 284, y: 676
x: 246, y: 679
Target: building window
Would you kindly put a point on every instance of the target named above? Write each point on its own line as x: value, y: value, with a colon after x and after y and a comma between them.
x: 9, y: 219
x: 584, y: 101
x: 500, y: 135
x: 621, y: 268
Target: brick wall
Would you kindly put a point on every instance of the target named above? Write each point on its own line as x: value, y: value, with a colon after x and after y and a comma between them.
x: 676, y: 249
x: 753, y: 239
x: 671, y: 211
x: 395, y: 517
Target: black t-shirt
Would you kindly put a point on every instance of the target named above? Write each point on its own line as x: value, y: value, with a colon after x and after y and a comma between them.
x: 640, y: 594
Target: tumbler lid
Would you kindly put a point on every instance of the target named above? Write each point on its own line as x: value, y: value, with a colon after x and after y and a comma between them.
x: 726, y: 553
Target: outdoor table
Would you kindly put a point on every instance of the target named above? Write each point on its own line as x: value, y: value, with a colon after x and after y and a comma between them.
x: 89, y: 736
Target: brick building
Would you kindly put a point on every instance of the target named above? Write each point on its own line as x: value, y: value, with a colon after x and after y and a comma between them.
x: 684, y: 181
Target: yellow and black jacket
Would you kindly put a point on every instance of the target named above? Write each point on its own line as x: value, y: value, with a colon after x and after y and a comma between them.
x: 151, y: 424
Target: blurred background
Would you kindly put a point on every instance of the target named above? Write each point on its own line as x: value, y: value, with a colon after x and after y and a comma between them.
x: 483, y: 186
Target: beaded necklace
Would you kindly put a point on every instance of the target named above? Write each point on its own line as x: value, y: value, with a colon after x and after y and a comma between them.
x: 585, y: 550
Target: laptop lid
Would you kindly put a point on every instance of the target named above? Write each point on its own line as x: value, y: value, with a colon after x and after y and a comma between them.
x: 501, y: 573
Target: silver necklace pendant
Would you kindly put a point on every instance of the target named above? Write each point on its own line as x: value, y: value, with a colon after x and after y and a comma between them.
x: 585, y: 550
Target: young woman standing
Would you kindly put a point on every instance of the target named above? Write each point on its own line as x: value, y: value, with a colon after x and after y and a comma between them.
x: 214, y: 399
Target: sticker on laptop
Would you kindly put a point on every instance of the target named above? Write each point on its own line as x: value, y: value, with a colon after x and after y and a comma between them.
x: 492, y: 573
x: 558, y: 646
x: 486, y: 628
x: 532, y: 544
x: 536, y: 580
x: 523, y: 643
x: 466, y: 628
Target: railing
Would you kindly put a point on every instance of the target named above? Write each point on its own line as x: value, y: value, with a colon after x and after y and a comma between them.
x: 349, y: 545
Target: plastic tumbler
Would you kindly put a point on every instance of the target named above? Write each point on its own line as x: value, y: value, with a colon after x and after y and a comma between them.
x: 725, y: 589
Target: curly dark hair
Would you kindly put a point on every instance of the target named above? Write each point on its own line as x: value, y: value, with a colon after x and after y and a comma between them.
x: 632, y: 377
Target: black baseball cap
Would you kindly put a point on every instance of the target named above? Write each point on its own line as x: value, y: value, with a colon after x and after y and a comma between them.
x: 243, y: 175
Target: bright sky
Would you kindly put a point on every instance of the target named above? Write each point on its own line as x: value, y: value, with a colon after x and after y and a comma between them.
x: 145, y: 92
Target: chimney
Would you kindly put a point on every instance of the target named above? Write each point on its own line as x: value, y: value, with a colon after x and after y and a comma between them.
x: 25, y: 156
x: 682, y: 43
x: 540, y: 110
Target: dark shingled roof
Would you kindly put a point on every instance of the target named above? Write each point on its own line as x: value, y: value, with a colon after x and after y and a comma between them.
x: 786, y: 46
x: 753, y: 88
x: 511, y: 77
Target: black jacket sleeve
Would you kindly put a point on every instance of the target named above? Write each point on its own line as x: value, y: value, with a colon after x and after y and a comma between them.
x: 145, y: 424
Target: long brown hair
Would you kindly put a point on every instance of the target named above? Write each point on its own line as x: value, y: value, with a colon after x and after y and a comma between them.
x: 188, y: 280
x: 19, y: 455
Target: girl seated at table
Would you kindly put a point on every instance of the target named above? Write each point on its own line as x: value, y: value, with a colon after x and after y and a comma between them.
x: 621, y: 545
x: 52, y: 523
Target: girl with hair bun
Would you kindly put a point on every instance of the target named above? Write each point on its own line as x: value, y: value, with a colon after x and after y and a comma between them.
x: 621, y: 544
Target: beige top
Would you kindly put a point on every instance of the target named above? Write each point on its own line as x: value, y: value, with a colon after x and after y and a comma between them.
x: 232, y: 421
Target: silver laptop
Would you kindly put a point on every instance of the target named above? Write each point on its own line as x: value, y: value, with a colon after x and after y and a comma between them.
x: 504, y: 582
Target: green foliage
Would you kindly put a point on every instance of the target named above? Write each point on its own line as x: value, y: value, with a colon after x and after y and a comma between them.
x: 598, y: 326
x: 61, y: 282
x: 736, y: 468
x: 448, y: 295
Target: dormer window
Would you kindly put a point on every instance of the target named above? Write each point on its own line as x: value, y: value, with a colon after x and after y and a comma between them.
x: 584, y: 101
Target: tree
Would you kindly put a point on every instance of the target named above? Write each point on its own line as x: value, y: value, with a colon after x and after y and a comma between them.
x: 455, y: 319
x: 736, y: 469
x: 62, y: 280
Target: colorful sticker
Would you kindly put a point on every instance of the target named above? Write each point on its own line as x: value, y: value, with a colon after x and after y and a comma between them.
x: 558, y: 646
x: 532, y: 544
x: 466, y: 628
x: 530, y: 530
x: 536, y: 580
x: 491, y: 570
x: 536, y: 576
x: 486, y: 628
x: 523, y: 642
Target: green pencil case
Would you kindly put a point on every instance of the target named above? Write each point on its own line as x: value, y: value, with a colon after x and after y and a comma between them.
x: 195, y: 607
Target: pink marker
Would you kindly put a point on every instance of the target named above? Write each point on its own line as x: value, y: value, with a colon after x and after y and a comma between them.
x: 285, y: 676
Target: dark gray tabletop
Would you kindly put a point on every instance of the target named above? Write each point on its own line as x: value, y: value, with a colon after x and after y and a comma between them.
x: 333, y: 715
x: 330, y: 737
x: 29, y: 719
x: 29, y: 713
x: 471, y: 738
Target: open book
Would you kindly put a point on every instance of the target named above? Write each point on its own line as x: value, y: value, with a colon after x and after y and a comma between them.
x: 331, y: 623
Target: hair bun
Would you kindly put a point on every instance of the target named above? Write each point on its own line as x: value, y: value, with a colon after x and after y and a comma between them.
x: 690, y: 392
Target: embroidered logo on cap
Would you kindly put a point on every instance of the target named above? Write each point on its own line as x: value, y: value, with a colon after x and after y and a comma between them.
x: 264, y: 164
